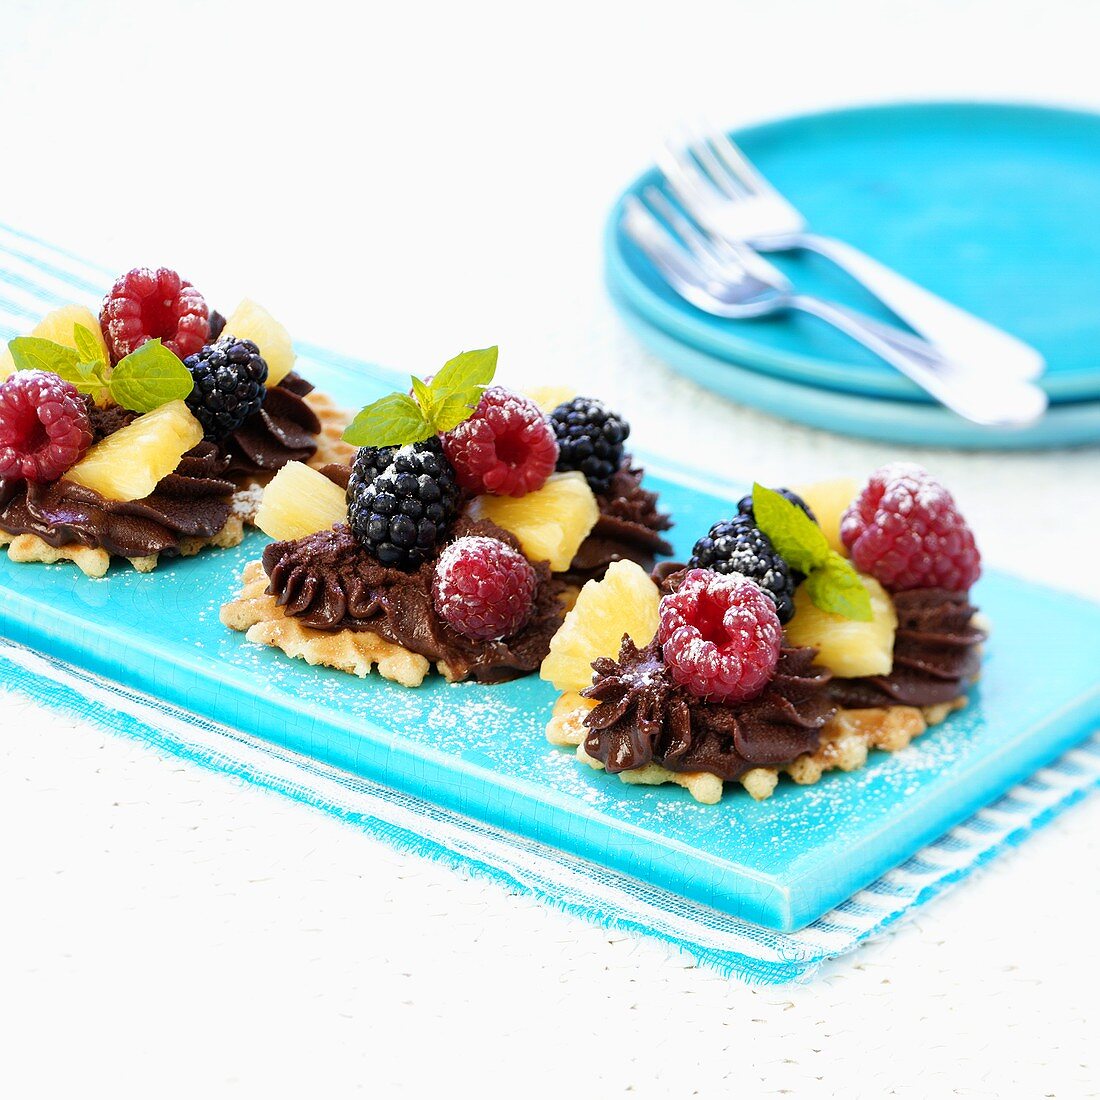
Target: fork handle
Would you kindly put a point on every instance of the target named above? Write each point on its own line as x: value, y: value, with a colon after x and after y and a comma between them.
x: 963, y: 338
x: 1006, y: 403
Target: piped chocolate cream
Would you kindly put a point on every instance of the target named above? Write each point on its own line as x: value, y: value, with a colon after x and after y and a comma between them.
x: 329, y: 582
x: 192, y: 502
x: 629, y: 527
x: 284, y: 430
x: 936, y: 654
x: 643, y: 717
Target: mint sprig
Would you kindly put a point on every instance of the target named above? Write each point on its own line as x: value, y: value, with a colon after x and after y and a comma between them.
x: 831, y: 582
x: 434, y: 407
x: 141, y: 382
x: 148, y: 378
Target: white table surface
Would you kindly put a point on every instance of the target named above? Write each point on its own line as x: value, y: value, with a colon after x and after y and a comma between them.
x: 400, y: 183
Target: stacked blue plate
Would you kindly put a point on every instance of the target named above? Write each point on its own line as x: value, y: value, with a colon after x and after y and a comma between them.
x: 995, y: 207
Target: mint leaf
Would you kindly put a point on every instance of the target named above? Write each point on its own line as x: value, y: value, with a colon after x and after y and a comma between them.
x: 423, y: 395
x: 454, y: 392
x: 831, y: 581
x: 391, y: 421
x: 87, y: 347
x: 34, y: 353
x: 148, y: 378
x: 467, y: 370
x: 89, y: 378
x: 457, y: 387
x: 797, y: 539
x: 837, y: 588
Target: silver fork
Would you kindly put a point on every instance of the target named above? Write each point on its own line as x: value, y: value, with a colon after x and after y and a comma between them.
x: 731, y: 280
x: 716, y: 183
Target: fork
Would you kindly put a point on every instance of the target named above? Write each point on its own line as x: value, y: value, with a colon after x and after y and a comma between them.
x: 717, y: 184
x: 731, y: 280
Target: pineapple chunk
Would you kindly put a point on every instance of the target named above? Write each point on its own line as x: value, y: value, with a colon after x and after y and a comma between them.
x: 829, y: 500
x: 250, y: 321
x: 550, y: 523
x: 299, y: 501
x: 131, y: 463
x: 846, y: 647
x: 58, y: 325
x: 626, y: 601
x: 548, y: 398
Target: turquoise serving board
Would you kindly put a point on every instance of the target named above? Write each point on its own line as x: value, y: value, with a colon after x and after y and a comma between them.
x: 481, y: 750
x: 991, y: 205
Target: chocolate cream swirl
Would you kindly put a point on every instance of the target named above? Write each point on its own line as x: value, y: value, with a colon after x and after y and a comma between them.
x: 643, y: 717
x: 192, y: 502
x: 329, y: 582
x: 937, y: 654
x: 284, y: 430
x: 629, y: 527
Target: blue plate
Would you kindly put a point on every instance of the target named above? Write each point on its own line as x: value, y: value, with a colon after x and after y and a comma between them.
x: 482, y: 750
x: 991, y: 206
x: 897, y: 422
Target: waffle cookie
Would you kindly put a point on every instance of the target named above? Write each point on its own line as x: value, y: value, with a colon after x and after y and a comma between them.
x: 846, y: 739
x: 355, y: 651
x: 331, y: 448
x: 94, y: 561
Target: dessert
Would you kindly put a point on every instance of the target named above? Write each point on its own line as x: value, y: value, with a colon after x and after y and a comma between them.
x: 146, y: 431
x: 447, y: 541
x: 806, y: 630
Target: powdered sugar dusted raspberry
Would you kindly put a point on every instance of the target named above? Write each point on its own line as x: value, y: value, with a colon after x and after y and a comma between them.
x: 44, y: 427
x: 483, y: 588
x: 720, y: 636
x: 907, y: 532
x: 146, y: 304
x: 506, y: 448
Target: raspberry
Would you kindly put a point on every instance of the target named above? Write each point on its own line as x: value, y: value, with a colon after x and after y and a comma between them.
x: 906, y: 531
x: 739, y: 546
x: 44, y: 427
x: 145, y: 304
x: 229, y: 385
x: 483, y: 588
x: 590, y: 439
x: 506, y: 448
x: 744, y: 505
x: 404, y: 513
x: 720, y: 636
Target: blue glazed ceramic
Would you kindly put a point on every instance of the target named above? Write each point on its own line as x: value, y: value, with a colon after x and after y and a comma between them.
x: 991, y: 205
x: 482, y: 750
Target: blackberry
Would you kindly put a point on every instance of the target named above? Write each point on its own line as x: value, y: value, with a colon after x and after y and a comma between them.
x: 738, y: 546
x: 369, y: 462
x: 217, y: 326
x: 403, y: 513
x: 590, y: 439
x: 229, y: 385
x: 744, y: 505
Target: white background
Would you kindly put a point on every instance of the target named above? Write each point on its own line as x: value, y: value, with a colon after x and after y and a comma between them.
x: 401, y: 182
